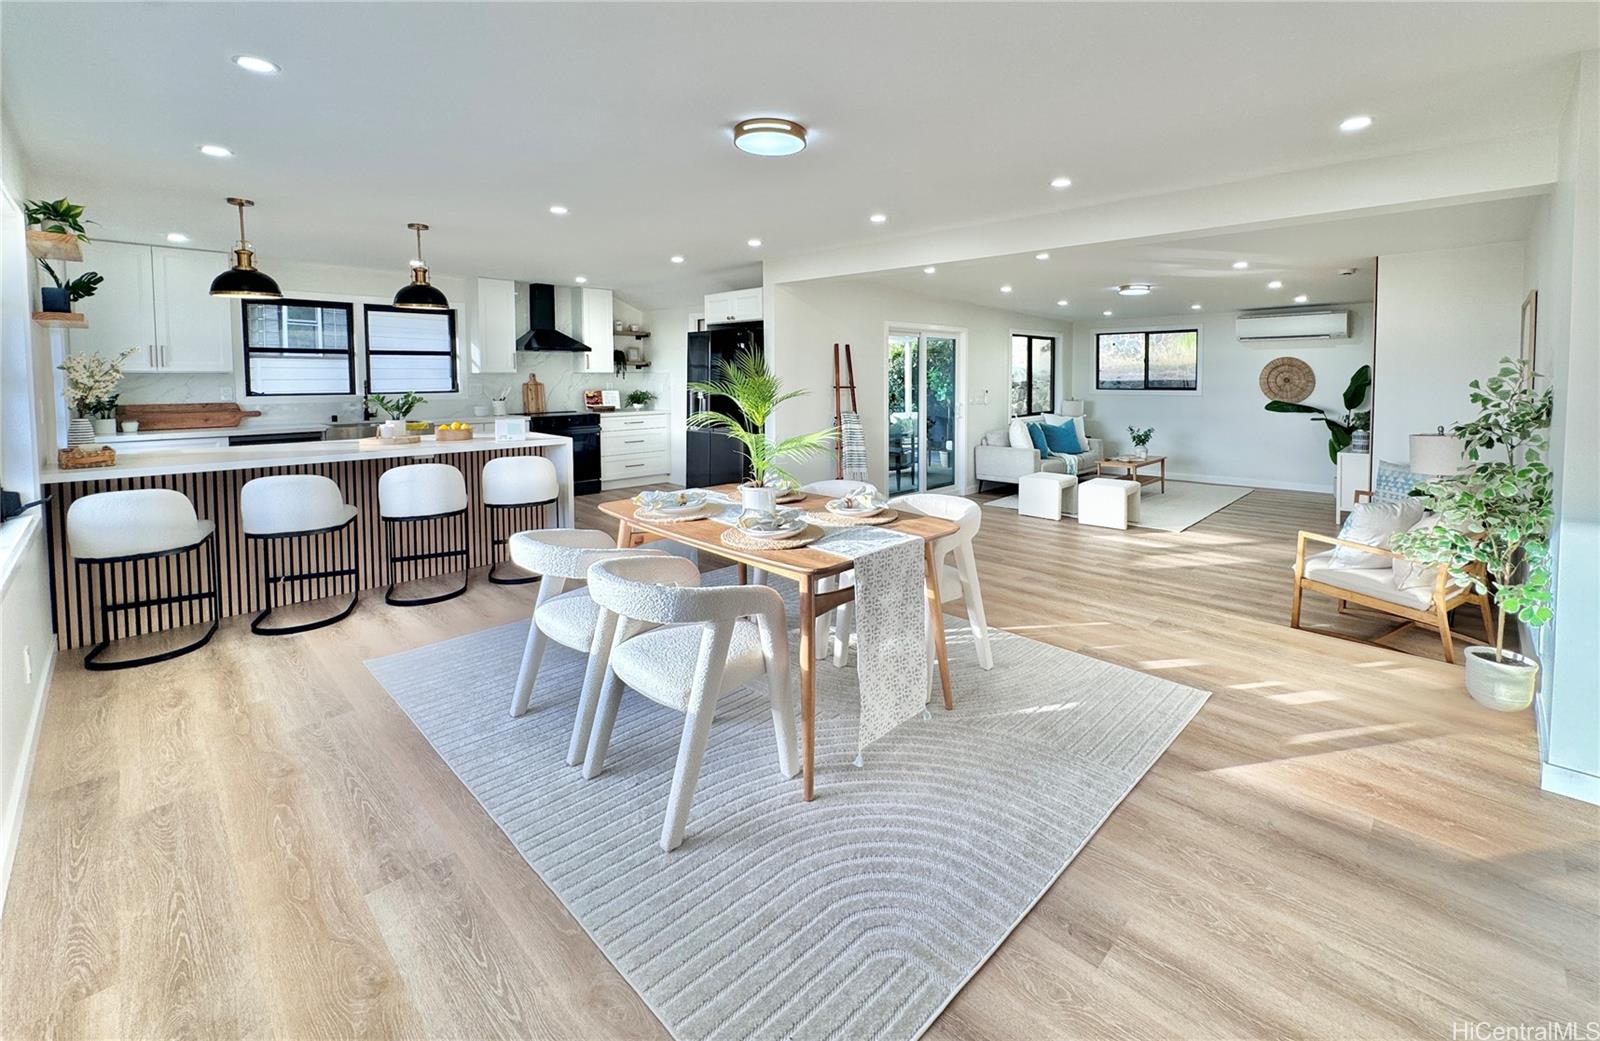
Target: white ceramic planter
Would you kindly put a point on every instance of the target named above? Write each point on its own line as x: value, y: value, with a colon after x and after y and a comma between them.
x: 1506, y: 686
x: 104, y: 427
x: 758, y: 498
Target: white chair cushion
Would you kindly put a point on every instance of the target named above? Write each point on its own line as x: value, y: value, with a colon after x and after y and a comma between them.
x: 568, y: 619
x: 653, y: 663
x: 519, y: 480
x: 132, y: 523
x: 566, y: 552
x: 421, y: 490
x: 1374, y: 524
x: 1374, y: 582
x: 284, y: 504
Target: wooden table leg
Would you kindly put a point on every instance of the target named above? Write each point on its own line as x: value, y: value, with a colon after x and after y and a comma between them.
x: 1163, y: 477
x: 808, y: 683
x: 624, y: 535
x: 744, y: 573
x: 936, y: 622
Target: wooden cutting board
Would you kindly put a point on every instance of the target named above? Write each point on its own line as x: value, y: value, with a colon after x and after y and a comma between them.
x: 194, y: 415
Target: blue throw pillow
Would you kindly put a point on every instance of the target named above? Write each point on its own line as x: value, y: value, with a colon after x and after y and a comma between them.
x: 1037, y: 435
x: 1062, y: 438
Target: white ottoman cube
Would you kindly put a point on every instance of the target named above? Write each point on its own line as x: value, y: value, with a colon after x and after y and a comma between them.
x: 1047, y: 495
x: 1108, y: 504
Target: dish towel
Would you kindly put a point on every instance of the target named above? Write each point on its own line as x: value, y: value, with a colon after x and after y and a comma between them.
x: 892, y: 665
x: 852, y: 447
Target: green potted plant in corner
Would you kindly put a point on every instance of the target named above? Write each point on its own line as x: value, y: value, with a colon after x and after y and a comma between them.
x: 1341, y: 431
x: 63, y: 221
x: 639, y: 398
x: 750, y: 385
x: 1494, y: 526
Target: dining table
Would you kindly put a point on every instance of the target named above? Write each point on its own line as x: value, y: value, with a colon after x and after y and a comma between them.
x: 808, y: 567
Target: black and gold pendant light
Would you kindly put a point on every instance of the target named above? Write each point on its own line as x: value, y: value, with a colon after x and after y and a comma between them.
x: 243, y: 279
x: 419, y: 295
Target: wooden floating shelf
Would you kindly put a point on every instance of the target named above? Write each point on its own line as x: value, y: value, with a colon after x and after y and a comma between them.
x: 70, y: 319
x: 52, y: 245
x: 630, y: 336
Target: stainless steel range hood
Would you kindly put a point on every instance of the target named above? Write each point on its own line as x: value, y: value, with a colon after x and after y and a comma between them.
x: 543, y: 334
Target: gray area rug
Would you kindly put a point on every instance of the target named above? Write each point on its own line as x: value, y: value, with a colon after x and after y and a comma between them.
x: 858, y: 915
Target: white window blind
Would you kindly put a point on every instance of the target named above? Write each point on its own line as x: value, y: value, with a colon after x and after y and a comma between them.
x: 298, y: 347
x: 410, y: 350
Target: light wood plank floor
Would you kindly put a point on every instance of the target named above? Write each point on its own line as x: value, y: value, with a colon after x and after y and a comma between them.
x: 253, y: 841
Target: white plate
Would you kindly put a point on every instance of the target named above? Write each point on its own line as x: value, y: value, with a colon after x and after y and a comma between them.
x: 836, y: 506
x: 784, y: 532
x: 695, y: 501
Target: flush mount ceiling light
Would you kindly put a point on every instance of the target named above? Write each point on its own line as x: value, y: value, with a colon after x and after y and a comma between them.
x: 1041, y: 256
x: 418, y: 294
x: 929, y: 270
x: 216, y: 151
x: 878, y: 218
x: 1061, y: 182
x: 1274, y: 284
x: 1240, y: 265
x: 1063, y: 303
x: 769, y: 135
x: 753, y: 243
x: 1005, y: 289
x: 1135, y: 289
x: 251, y: 63
x: 1355, y: 123
x: 1302, y: 298
x: 1106, y: 313
x: 675, y: 259
x: 1194, y: 307
x: 243, y: 280
x: 177, y: 236
x: 559, y: 211
x: 580, y: 280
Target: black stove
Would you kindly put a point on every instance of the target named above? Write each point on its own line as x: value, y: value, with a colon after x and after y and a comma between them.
x: 584, y: 429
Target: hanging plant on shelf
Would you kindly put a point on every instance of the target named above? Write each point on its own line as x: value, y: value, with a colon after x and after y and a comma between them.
x: 757, y: 392
x: 62, y: 218
x: 1341, y: 431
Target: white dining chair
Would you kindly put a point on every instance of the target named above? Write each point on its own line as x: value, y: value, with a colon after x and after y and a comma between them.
x: 707, y: 641
x: 843, y: 616
x: 566, y: 615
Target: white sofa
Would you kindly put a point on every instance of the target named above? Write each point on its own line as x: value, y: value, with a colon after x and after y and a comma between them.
x: 1006, y: 454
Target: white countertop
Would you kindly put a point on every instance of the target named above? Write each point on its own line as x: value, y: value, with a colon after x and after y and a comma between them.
x: 245, y: 457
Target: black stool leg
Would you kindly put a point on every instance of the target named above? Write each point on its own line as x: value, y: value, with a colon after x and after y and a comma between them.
x: 139, y: 601
x: 257, y: 625
x: 395, y: 559
x: 495, y: 542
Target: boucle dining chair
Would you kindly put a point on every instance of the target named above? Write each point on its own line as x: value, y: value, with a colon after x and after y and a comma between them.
x: 706, y: 642
x: 567, y: 616
x: 843, y: 616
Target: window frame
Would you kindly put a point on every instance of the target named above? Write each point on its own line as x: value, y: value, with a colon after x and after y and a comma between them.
x: 1145, y: 334
x: 347, y: 306
x: 1055, y: 342
x: 455, y: 344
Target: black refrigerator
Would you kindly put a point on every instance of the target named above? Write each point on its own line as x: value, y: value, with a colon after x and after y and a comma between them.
x: 714, y: 457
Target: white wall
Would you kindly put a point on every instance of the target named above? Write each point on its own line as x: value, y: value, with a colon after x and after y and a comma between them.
x: 1444, y: 317
x: 1223, y: 433
x: 804, y: 320
x: 669, y: 363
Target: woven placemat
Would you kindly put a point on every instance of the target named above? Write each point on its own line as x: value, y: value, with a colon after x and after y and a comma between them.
x: 794, y: 496
x: 824, y: 517
x: 736, y: 539
x: 707, y: 509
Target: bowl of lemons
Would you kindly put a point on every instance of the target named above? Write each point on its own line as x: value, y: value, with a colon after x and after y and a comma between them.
x: 457, y: 431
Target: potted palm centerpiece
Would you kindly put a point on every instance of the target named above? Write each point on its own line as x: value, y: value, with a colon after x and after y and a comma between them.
x: 756, y: 392
x: 1494, y: 526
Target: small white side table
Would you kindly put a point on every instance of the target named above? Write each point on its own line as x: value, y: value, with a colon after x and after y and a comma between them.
x: 1047, y: 495
x: 1105, y: 503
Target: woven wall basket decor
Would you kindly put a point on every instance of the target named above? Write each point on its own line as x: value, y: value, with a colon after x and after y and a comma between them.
x: 1288, y: 379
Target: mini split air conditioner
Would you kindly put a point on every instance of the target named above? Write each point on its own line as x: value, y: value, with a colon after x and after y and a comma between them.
x: 1301, y: 325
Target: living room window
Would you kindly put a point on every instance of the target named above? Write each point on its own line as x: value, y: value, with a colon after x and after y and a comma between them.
x: 298, y: 347
x: 1162, y: 359
x: 1033, y: 374
x: 410, y: 350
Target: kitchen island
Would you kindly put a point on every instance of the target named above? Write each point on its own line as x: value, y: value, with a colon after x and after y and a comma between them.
x: 212, y: 478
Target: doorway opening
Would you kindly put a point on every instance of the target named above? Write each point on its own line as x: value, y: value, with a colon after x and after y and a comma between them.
x: 923, y: 435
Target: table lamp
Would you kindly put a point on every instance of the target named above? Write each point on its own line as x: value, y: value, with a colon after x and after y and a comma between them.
x: 1071, y: 407
x: 1436, y: 454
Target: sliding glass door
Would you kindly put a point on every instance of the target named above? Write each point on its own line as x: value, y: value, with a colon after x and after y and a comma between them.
x: 922, y: 411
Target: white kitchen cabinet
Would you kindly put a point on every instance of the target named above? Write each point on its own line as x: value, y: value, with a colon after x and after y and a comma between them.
x: 157, y: 300
x: 635, y: 448
x: 592, y: 325
x: 737, y: 305
x: 494, y: 334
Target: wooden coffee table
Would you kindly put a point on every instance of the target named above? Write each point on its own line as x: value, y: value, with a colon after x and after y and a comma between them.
x: 1130, y: 469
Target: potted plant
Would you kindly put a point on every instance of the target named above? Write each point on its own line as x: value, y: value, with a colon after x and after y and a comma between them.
x: 91, y: 392
x: 1494, y: 526
x: 1341, y: 431
x: 399, y: 408
x: 1141, y: 441
x: 62, y: 219
x: 752, y: 387
x: 640, y: 398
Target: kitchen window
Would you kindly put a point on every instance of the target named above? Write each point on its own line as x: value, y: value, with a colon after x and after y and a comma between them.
x: 1165, y: 359
x: 1033, y: 374
x: 410, y: 350
x: 298, y: 347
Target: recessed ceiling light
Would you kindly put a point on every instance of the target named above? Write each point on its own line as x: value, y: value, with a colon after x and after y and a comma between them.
x: 559, y: 211
x: 1005, y: 289
x: 769, y: 136
x: 753, y: 243
x: 215, y: 151
x: 1106, y: 313
x: 1302, y: 298
x: 1355, y: 123
x: 1274, y: 284
x: 177, y: 236
x: 1041, y: 256
x: 251, y: 63
x: 878, y: 218
x: 1061, y: 182
x: 929, y: 270
x: 1135, y: 289
x: 580, y: 280
x: 1240, y: 265
x: 675, y: 259
x: 1194, y: 307
x: 1063, y: 303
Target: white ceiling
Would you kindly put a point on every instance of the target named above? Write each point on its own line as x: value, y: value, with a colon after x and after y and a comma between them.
x: 1306, y: 258
x: 477, y: 117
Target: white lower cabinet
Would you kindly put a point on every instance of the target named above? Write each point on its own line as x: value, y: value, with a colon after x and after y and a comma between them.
x: 635, y: 448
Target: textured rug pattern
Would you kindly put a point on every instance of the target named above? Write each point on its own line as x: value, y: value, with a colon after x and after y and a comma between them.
x: 860, y: 914
x: 1183, y: 505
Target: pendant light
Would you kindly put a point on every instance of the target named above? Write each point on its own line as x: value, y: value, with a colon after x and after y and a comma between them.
x: 243, y: 280
x: 418, y: 295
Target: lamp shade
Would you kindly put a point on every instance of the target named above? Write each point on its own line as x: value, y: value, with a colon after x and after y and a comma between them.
x: 1436, y: 454
x: 247, y: 282
x: 1071, y: 407
x: 421, y: 296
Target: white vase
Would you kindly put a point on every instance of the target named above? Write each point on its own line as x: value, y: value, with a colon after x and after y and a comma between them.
x: 80, y: 432
x: 758, y: 498
x: 104, y: 427
x: 637, y: 407
x: 1505, y: 686
x: 1141, y: 452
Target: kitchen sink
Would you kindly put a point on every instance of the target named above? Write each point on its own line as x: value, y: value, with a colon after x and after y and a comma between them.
x: 348, y: 431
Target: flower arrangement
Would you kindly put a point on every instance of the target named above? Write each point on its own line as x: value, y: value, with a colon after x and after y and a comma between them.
x: 92, y: 381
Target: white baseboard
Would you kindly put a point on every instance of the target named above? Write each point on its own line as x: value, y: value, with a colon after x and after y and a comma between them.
x: 19, y: 796
x: 1574, y: 784
x: 1255, y: 482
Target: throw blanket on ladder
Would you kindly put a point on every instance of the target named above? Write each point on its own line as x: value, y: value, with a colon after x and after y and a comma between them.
x: 852, y: 447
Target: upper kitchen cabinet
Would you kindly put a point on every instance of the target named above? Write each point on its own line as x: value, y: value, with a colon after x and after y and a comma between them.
x: 738, y: 305
x: 157, y: 300
x: 494, y: 330
x: 592, y: 325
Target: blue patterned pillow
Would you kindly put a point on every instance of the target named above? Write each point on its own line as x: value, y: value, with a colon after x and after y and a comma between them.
x: 1394, y: 481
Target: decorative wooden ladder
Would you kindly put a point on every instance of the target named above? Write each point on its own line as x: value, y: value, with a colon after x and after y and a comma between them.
x: 838, y: 404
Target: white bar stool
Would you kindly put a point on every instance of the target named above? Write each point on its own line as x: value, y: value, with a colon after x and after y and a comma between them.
x: 420, y: 497
x: 517, y: 483
x: 277, y: 510
x: 132, y: 529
